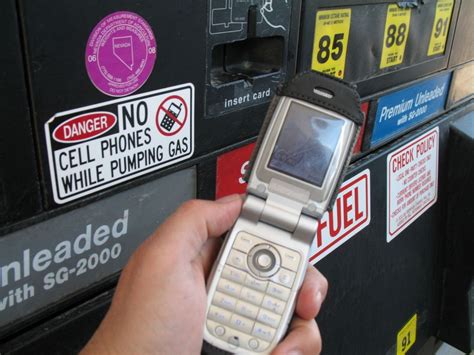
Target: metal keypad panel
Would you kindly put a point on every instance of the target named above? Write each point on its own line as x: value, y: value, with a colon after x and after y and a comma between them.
x: 252, y: 293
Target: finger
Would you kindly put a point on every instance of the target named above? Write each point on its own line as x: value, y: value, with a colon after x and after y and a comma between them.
x: 303, y: 339
x: 312, y: 294
x: 208, y: 254
x: 186, y: 230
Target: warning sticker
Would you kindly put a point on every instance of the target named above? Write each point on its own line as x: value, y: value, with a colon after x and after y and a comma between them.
x: 397, y: 27
x: 330, y: 41
x: 350, y: 215
x: 412, y: 181
x: 95, y: 147
x: 439, y: 33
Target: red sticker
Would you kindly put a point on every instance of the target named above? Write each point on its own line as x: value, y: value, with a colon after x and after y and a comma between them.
x: 230, y: 171
x: 364, y: 107
x: 349, y: 215
x: 83, y: 127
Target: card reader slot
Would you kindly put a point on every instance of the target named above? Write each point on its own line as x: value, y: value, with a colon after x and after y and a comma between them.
x: 247, y: 59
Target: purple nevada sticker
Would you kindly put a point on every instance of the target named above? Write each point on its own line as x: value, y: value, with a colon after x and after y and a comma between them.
x: 121, y: 53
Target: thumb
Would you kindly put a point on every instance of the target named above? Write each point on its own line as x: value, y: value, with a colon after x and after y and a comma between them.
x: 188, y: 229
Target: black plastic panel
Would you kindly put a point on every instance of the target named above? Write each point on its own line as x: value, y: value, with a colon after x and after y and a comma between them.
x: 258, y: 58
x: 19, y: 183
x: 366, y: 41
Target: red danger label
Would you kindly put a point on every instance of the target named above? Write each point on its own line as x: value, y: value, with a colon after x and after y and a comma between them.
x: 84, y: 127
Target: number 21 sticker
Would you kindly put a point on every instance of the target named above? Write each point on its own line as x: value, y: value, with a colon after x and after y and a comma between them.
x: 395, y: 36
x: 406, y: 337
x: 330, y: 41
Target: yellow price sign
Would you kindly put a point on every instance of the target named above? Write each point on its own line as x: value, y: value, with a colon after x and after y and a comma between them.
x: 397, y: 27
x: 406, y: 336
x: 331, y: 35
x: 439, y: 33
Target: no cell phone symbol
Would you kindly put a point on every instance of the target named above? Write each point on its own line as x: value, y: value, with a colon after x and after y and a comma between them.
x: 123, y: 50
x: 171, y: 115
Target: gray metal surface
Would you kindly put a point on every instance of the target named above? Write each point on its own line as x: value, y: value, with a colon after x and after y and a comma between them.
x: 50, y: 261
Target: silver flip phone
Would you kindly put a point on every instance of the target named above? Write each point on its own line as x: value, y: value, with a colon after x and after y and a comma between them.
x: 298, y: 166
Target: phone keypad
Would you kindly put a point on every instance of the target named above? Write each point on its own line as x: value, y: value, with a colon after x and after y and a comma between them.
x: 278, y: 291
x: 224, y: 301
x: 247, y: 308
x: 237, y: 259
x: 263, y: 332
x: 251, y: 296
x: 219, y: 315
x: 256, y: 284
x: 229, y: 287
x: 268, y: 318
x: 245, y: 242
x: 289, y: 259
x: 284, y: 278
x: 241, y: 323
x: 232, y: 274
x: 237, y: 338
x: 273, y: 304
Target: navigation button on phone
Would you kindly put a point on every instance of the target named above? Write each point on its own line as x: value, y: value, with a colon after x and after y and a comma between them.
x: 263, y: 260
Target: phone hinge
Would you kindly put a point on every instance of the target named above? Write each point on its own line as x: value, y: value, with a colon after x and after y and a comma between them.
x: 276, y: 210
x: 282, y: 213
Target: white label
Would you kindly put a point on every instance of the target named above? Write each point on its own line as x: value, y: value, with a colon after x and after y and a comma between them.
x: 95, y: 147
x: 412, y: 181
x: 350, y: 214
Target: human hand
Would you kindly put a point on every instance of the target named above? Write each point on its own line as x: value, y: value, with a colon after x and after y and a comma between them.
x: 160, y: 302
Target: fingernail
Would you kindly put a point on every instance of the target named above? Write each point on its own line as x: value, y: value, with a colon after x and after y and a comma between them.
x: 229, y: 198
x: 295, y: 352
x: 319, y: 298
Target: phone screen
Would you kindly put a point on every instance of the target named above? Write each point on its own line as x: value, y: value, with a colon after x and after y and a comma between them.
x: 306, y: 144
